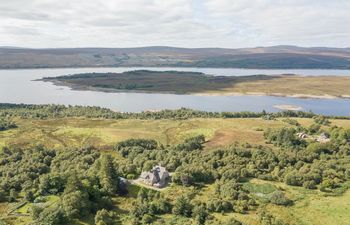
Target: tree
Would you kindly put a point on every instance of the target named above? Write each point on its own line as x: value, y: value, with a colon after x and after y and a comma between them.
x: 162, y: 205
x: 193, y: 143
x: 200, y: 213
x: 142, y: 195
x: 321, y: 120
x: 29, y: 196
x: 107, y: 174
x: 13, y: 195
x: 147, y: 144
x: 73, y: 183
x: 309, y: 184
x: 233, y: 221
x: 104, y: 217
x: 51, y: 184
x: 183, y: 207
x: 2, y: 195
x: 294, y: 179
x: 314, y: 128
x: 147, y: 219
x: 49, y: 216
x: 284, y: 137
x: 75, y: 204
x: 186, y: 179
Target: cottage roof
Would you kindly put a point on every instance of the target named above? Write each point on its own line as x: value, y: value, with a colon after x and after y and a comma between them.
x: 157, y: 175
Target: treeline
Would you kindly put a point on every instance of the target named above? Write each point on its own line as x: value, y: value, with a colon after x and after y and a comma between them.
x: 61, y: 111
x: 110, y: 74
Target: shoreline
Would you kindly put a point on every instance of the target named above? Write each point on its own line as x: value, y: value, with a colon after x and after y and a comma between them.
x: 305, y: 96
x: 172, y: 66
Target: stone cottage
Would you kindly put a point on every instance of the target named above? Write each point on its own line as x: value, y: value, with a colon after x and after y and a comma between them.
x: 157, y: 177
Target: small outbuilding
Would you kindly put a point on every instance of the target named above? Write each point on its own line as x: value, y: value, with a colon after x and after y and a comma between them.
x: 323, y: 138
x: 302, y: 135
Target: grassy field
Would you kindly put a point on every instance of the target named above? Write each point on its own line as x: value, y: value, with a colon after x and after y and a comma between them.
x: 311, y: 206
x: 302, y: 86
x: 197, y: 83
x: 103, y: 134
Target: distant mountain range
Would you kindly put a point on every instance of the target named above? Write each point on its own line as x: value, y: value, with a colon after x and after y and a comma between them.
x: 274, y: 57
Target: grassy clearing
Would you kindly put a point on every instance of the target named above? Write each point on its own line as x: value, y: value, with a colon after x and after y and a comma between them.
x: 311, y: 206
x: 21, y: 216
x: 78, y: 132
x: 259, y: 188
x: 318, y: 209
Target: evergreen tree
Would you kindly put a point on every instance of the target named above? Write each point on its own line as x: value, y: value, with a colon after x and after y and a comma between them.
x: 183, y: 207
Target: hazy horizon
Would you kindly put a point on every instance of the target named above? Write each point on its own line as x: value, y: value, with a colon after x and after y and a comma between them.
x: 167, y: 46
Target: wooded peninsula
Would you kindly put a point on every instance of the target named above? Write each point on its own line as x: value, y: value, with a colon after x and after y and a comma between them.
x: 177, y: 82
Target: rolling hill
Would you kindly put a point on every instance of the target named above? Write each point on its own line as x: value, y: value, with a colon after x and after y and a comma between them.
x: 260, y: 57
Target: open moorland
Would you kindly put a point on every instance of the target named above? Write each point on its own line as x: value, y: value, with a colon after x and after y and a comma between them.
x: 199, y: 83
x: 63, y: 166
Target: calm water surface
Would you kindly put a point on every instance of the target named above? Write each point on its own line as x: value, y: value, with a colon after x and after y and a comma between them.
x: 17, y: 86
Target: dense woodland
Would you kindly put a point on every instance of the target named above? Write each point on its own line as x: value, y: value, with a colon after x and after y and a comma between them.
x: 84, y: 181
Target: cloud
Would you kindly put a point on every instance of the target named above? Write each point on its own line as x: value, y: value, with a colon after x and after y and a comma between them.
x: 188, y: 23
x: 302, y: 22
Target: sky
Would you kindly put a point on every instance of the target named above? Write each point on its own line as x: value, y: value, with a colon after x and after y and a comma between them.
x: 179, y: 23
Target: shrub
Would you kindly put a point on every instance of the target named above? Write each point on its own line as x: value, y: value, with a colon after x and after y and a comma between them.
x: 291, y: 121
x: 321, y: 120
x: 319, y: 148
x: 310, y: 184
x: 6, y: 124
x: 147, y: 144
x: 279, y: 198
x: 192, y: 143
x: 147, y: 219
x: 314, y: 128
